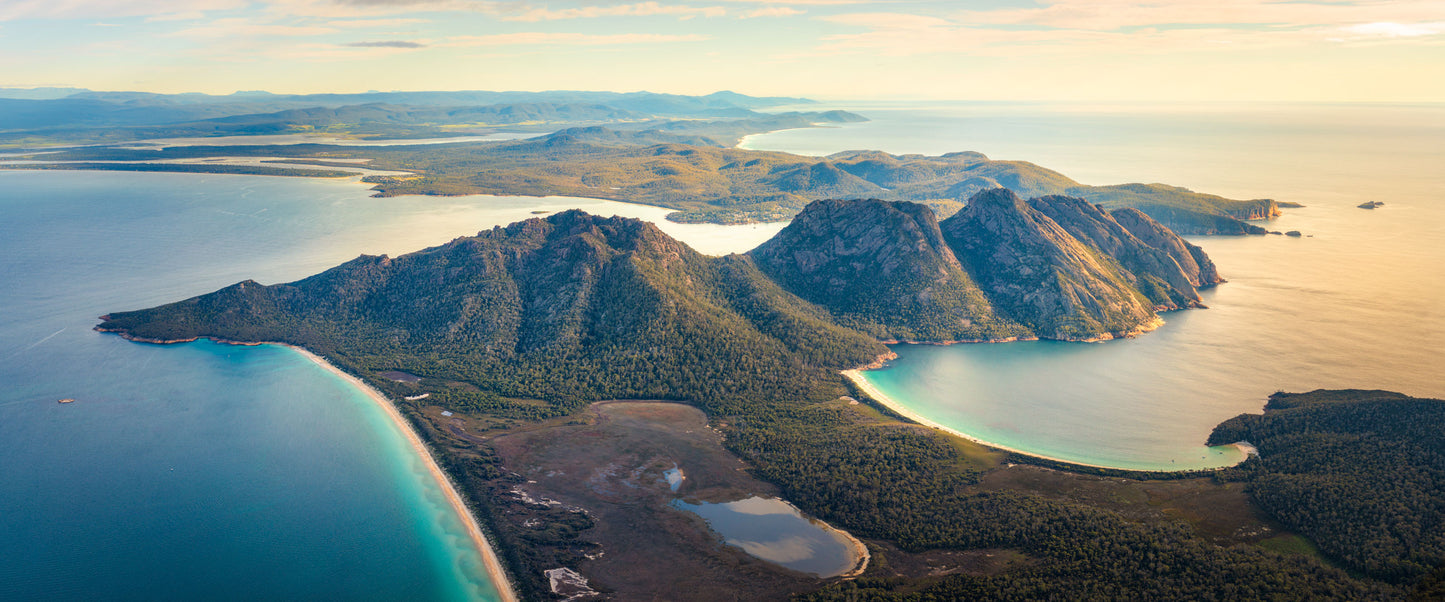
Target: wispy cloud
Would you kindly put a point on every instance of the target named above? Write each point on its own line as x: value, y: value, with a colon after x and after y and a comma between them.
x: 91, y: 9
x: 571, y: 39
x: 241, y: 28
x: 1396, y: 30
x: 367, y: 23
x: 1136, y: 26
x: 386, y: 44
x: 643, y: 9
x: 1118, y: 14
x: 809, y: 2
x: 771, y: 11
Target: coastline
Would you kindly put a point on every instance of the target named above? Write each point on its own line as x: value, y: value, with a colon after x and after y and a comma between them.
x: 856, y: 377
x: 490, y: 561
x: 1151, y: 326
x: 474, y: 530
x: 743, y: 141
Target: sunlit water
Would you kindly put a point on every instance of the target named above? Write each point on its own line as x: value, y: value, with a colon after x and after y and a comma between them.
x: 1355, y: 303
x: 773, y: 530
x: 205, y: 471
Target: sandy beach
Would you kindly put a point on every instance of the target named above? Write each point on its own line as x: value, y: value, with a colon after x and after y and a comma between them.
x: 489, y: 556
x: 856, y: 376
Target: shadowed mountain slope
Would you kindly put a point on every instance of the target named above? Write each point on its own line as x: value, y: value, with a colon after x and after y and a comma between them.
x: 1148, y: 267
x: 1039, y: 275
x: 565, y: 308
x: 884, y: 268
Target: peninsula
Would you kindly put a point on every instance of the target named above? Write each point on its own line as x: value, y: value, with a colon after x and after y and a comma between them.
x: 521, y: 328
x: 656, y: 149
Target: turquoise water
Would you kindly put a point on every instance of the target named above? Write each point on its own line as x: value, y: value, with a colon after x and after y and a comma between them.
x: 204, y: 471
x: 1356, y: 303
x: 773, y: 530
x: 196, y: 471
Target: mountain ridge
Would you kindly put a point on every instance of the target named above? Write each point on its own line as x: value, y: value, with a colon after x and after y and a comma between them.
x: 574, y: 293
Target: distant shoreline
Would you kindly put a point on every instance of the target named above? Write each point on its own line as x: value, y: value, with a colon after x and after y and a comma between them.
x: 857, y: 378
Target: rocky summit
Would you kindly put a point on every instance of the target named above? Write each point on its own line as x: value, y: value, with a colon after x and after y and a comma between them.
x: 883, y: 268
x: 531, y: 302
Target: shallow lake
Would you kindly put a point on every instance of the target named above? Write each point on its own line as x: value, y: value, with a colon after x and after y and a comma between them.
x: 773, y: 530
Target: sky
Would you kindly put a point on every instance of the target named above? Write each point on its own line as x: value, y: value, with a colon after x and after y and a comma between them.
x: 1089, y: 50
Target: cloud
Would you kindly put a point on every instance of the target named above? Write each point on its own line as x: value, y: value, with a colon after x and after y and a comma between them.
x: 386, y: 44
x: 1103, y: 15
x: 1396, y: 30
x: 109, y: 9
x: 238, y: 28
x: 1135, y: 27
x: 909, y: 35
x: 806, y: 2
x: 571, y: 39
x: 771, y: 11
x: 644, y: 9
x: 364, y: 23
x: 888, y: 20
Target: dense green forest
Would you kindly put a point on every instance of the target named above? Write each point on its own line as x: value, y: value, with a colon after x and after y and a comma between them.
x: 537, y: 319
x: 1361, y: 473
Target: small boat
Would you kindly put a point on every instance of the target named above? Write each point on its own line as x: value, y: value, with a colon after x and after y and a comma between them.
x: 67, y: 400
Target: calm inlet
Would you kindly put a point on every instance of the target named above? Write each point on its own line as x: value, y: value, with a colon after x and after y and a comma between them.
x: 1354, y: 303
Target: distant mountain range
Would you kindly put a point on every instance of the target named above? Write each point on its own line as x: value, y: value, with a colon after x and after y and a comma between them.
x: 59, y: 107
x: 660, y: 149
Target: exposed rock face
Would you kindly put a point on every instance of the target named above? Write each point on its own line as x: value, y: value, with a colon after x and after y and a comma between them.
x: 591, y: 292
x: 1151, y: 270
x: 1257, y: 209
x: 1192, y: 259
x: 1036, y: 273
x: 882, y: 267
x: 565, y: 285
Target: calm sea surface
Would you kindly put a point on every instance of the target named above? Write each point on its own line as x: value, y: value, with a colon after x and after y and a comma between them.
x: 204, y: 471
x: 1359, y: 302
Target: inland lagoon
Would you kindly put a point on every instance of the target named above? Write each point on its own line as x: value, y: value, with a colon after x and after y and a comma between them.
x: 773, y: 530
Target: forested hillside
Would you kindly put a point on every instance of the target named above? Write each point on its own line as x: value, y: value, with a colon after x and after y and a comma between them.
x: 1361, y: 473
x: 538, y: 318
